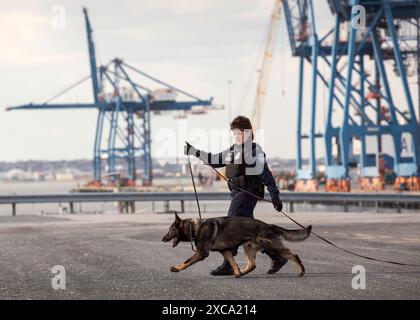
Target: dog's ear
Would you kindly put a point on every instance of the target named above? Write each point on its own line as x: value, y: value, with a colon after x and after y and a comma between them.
x: 177, y: 218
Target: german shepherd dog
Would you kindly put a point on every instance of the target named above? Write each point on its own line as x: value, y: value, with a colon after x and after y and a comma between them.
x: 227, y: 233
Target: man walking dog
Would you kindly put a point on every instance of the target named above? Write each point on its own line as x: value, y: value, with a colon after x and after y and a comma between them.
x: 246, y: 168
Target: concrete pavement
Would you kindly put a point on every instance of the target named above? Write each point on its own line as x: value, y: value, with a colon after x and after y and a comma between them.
x: 121, y: 257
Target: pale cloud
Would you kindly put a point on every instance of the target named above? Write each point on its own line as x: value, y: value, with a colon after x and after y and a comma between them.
x: 197, y: 45
x: 19, y: 29
x: 185, y: 6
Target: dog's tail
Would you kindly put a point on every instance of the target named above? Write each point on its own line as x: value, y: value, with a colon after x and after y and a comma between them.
x: 292, y: 235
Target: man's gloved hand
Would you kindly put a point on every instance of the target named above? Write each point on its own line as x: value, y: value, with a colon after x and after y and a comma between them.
x: 187, y: 148
x: 277, y: 204
x: 190, y: 150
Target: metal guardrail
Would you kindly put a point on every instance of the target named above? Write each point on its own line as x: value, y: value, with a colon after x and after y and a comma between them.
x: 111, y: 197
x: 128, y: 199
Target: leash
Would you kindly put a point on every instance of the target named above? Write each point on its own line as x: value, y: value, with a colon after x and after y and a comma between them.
x: 195, y: 190
x: 315, y: 234
x: 196, y: 198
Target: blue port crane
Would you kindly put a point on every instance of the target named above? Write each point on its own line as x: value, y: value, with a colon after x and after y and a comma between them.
x: 124, y: 108
x: 389, y: 36
x: 309, y: 47
x: 361, y: 104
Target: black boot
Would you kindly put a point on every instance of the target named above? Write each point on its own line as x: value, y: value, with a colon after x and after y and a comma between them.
x: 277, y: 262
x: 223, y: 270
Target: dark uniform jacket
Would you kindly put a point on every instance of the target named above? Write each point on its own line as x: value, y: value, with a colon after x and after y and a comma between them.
x: 246, y: 166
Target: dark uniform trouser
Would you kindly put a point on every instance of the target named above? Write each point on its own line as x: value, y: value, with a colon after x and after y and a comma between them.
x: 241, y: 205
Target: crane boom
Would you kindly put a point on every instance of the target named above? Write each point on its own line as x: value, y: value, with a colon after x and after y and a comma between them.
x: 267, y: 61
x: 92, y: 57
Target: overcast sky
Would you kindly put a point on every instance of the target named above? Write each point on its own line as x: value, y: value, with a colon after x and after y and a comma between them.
x: 196, y: 45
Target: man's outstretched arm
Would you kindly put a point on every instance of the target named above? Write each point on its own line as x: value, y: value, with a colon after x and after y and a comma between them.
x: 216, y: 160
